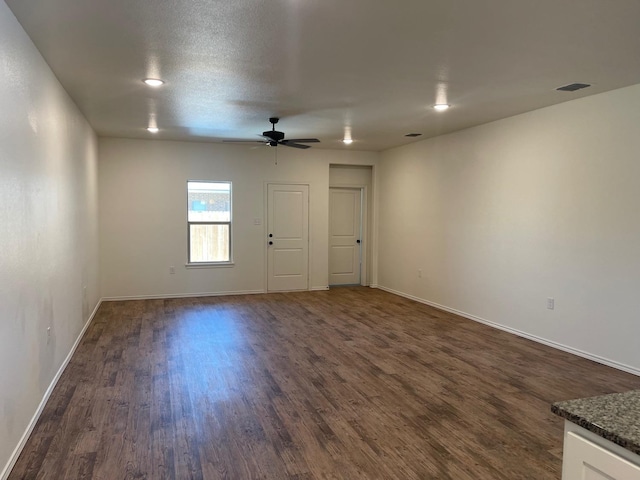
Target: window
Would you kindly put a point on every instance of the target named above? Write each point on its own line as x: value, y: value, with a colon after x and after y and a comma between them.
x: 209, y: 222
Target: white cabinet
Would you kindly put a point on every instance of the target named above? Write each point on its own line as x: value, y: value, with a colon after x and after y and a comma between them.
x: 590, y: 457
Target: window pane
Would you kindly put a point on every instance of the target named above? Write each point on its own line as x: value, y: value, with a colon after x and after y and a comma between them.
x: 209, y: 243
x: 209, y: 201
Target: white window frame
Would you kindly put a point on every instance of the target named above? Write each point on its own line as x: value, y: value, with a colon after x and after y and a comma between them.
x: 224, y: 263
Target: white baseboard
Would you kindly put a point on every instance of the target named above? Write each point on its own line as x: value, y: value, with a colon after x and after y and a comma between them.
x: 36, y: 416
x: 316, y: 289
x: 181, y: 295
x: 520, y: 333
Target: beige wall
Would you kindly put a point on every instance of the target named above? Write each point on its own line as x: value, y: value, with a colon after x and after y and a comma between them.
x: 48, y: 232
x: 502, y: 216
x: 143, y: 212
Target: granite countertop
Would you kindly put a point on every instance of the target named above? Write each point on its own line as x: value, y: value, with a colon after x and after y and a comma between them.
x: 615, y: 417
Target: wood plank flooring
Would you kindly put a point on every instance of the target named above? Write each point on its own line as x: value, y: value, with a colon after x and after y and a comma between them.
x: 351, y: 383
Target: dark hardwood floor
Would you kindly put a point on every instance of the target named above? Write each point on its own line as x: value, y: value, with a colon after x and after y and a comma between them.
x: 352, y: 383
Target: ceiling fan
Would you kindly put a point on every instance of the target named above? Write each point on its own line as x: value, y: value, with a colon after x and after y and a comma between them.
x: 274, y: 138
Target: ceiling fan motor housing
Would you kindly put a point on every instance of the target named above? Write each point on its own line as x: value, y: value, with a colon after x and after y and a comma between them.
x: 273, y: 135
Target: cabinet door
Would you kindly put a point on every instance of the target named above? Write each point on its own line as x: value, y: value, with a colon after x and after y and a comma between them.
x: 584, y: 460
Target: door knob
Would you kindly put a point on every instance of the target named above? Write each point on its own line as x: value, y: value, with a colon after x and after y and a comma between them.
x: 270, y: 243
x: 358, y: 241
x: 271, y: 234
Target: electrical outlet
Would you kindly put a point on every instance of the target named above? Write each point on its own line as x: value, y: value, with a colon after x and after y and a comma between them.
x: 172, y: 270
x: 551, y: 303
x: 420, y: 273
x: 48, y: 335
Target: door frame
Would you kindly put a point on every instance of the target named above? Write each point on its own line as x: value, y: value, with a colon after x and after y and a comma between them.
x: 265, y: 232
x: 364, y: 216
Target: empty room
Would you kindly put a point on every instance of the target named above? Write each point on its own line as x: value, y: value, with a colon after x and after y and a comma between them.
x: 310, y: 239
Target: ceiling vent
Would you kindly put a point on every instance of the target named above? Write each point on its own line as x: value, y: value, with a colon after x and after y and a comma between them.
x: 413, y: 134
x: 572, y: 87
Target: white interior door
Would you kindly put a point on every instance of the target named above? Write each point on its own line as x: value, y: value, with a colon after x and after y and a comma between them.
x: 345, y: 230
x: 288, y: 237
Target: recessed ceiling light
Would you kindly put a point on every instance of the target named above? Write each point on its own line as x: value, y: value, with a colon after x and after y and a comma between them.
x: 347, y: 141
x: 441, y: 106
x: 153, y: 129
x: 153, y: 82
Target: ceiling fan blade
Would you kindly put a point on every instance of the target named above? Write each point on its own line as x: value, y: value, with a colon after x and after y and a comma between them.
x: 243, y: 141
x: 294, y: 145
x: 302, y: 140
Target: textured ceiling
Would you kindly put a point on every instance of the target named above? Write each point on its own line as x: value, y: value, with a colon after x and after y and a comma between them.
x: 326, y: 66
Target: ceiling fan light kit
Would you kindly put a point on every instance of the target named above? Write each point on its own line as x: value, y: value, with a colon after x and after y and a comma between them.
x: 273, y: 138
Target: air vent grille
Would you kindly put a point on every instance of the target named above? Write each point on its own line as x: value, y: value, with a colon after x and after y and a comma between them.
x: 573, y: 87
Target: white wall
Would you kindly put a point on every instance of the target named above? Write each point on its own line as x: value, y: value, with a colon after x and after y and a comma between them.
x: 143, y: 228
x: 48, y: 232
x: 500, y: 217
x: 358, y: 175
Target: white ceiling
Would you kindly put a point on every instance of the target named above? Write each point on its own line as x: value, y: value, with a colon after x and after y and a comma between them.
x: 374, y: 66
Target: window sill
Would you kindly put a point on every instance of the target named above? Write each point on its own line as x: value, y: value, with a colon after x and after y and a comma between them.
x: 210, y: 265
